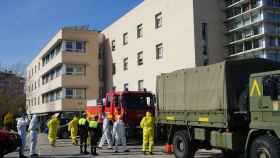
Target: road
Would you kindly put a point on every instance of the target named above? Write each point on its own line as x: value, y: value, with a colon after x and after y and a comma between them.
x: 64, y: 149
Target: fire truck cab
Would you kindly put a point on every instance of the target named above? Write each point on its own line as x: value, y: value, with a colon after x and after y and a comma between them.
x: 131, y: 105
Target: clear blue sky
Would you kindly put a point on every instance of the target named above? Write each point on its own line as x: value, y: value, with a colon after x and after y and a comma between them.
x: 27, y: 25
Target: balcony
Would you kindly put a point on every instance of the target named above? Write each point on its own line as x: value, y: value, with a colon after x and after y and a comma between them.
x: 241, y: 23
x: 238, y: 13
x: 231, y: 3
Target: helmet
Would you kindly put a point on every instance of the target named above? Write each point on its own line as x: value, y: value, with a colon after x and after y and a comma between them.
x: 110, y: 116
x: 85, y: 114
x: 148, y: 113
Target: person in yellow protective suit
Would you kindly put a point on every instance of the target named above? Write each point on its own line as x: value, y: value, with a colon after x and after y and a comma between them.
x: 53, y: 126
x: 8, y: 121
x: 73, y: 129
x: 147, y: 124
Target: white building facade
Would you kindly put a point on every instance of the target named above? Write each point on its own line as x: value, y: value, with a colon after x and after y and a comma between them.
x: 162, y: 36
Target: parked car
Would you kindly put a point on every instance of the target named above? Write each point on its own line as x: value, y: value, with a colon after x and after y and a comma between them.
x: 9, y: 142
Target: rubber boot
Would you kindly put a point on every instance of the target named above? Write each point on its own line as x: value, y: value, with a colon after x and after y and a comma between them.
x: 85, y: 150
x: 81, y: 149
x: 91, y: 150
x: 94, y: 152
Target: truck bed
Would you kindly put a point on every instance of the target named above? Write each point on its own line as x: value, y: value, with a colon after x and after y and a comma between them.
x: 209, y: 94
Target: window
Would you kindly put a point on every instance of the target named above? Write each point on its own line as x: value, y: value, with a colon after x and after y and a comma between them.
x: 159, y: 51
x: 204, y: 31
x: 79, y: 93
x: 75, y: 93
x: 271, y: 86
x: 58, y: 95
x: 141, y: 85
x: 51, y: 54
x: 69, y: 46
x: 248, y: 45
x: 125, y: 63
x: 204, y: 50
x: 58, y: 72
x: 114, y: 68
x: 39, y: 101
x: 52, y: 74
x: 158, y: 20
x: 79, y: 69
x: 75, y: 69
x: 69, y: 93
x: 75, y: 46
x: 53, y: 96
x: 100, y: 72
x: 69, y: 70
x: 140, y: 31
x: 79, y: 45
x: 140, y: 58
x: 113, y: 45
x: 125, y: 86
x: 125, y: 38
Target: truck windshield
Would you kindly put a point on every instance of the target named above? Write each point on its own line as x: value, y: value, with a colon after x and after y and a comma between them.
x: 137, y: 101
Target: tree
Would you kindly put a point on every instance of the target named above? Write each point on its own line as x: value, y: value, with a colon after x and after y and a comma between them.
x: 12, y: 96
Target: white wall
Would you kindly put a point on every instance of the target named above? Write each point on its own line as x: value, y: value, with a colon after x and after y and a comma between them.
x: 176, y: 34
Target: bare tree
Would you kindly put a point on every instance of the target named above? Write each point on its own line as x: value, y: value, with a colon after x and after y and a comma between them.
x: 18, y: 68
x: 12, y: 96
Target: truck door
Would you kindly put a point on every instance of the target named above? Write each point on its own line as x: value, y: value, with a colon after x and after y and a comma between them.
x: 117, y: 105
x: 270, y: 101
x: 108, y: 103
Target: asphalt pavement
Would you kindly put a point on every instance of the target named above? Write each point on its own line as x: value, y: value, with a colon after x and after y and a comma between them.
x: 65, y: 149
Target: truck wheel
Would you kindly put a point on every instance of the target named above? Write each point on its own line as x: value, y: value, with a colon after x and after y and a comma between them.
x: 182, y: 145
x: 265, y: 147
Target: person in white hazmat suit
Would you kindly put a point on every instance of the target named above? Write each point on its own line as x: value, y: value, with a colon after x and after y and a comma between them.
x: 34, y: 129
x: 22, y: 124
x: 107, y: 132
x: 119, y: 134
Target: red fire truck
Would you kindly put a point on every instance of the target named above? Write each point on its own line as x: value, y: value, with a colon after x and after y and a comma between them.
x: 131, y: 105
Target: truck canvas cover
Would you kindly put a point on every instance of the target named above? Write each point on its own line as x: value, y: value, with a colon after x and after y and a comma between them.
x: 215, y: 87
x: 199, y: 88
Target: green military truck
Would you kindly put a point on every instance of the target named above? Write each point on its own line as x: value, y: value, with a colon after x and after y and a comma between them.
x: 232, y: 106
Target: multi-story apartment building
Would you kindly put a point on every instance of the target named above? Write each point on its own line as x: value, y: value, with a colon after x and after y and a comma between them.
x: 65, y: 72
x: 160, y: 36
x: 253, y: 28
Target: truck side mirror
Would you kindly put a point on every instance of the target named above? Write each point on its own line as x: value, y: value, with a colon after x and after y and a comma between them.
x: 148, y: 101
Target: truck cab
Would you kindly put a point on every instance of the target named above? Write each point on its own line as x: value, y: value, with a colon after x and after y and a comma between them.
x: 264, y: 101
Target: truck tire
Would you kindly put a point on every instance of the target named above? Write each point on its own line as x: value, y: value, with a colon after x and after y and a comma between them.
x: 182, y: 145
x: 265, y: 147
